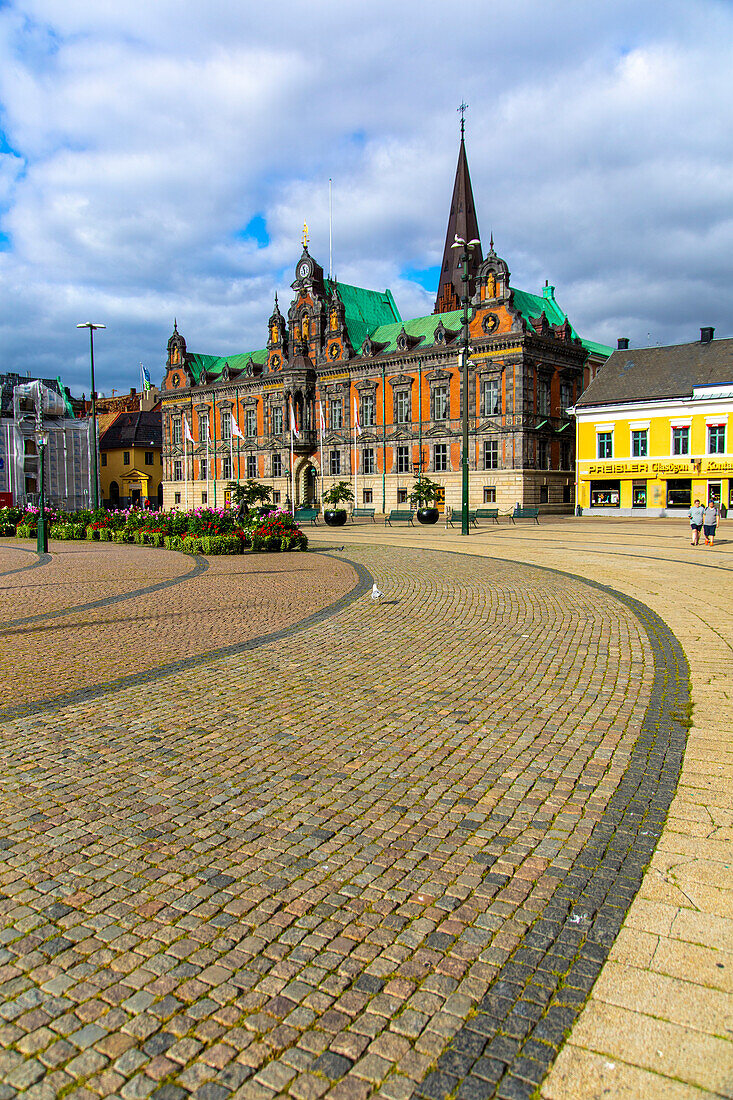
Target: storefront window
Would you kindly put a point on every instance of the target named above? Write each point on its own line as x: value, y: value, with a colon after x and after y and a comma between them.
x: 638, y: 494
x: 679, y: 493
x: 605, y: 494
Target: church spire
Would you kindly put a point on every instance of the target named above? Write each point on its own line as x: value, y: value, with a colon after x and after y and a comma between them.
x: 461, y: 223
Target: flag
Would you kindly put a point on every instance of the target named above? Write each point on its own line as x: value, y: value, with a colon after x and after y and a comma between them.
x: 146, y: 377
x: 357, y: 425
x: 323, y: 421
x: 235, y: 428
x: 293, y: 429
x: 187, y: 437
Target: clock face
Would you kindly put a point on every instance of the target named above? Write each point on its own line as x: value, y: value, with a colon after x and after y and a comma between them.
x: 490, y: 322
x: 333, y: 351
x: 304, y: 269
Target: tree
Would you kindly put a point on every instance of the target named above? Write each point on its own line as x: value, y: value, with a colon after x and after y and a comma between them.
x: 340, y: 493
x: 248, y: 493
x: 424, y: 492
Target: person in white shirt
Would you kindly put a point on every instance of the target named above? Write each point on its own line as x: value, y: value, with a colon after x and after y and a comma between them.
x: 710, y: 522
x: 696, y: 514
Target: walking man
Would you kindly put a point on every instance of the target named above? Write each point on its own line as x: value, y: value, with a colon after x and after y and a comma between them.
x: 710, y: 522
x: 696, y: 514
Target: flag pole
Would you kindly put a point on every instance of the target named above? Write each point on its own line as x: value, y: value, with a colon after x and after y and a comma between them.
x: 292, y: 481
x: 320, y: 432
x: 185, y: 464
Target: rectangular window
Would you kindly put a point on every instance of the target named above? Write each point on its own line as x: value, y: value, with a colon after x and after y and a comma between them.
x: 367, y: 496
x: 489, y: 494
x: 251, y: 465
x: 543, y: 454
x: 566, y: 397
x: 204, y: 498
x: 276, y: 419
x: 368, y: 411
x: 126, y: 458
x: 176, y: 430
x: 440, y: 404
x: 149, y: 458
x: 177, y: 469
x: 491, y: 454
x: 104, y: 459
x: 565, y: 460
x: 226, y: 467
x: 335, y: 414
x: 440, y: 455
x: 544, y: 494
x: 277, y: 466
x: 250, y: 422
x: 491, y: 397
x: 402, y: 407
x: 226, y: 425
x: 605, y: 444
x: 203, y: 426
x: 276, y: 497
x: 716, y: 439
x: 368, y: 461
x: 543, y: 397
x: 639, y: 443
x: 402, y: 496
x: 334, y: 463
x: 403, y: 460
x: 203, y: 469
x: 176, y: 498
x: 680, y: 441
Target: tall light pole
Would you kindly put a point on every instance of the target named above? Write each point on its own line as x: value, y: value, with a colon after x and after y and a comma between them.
x: 468, y: 247
x: 41, y: 440
x: 95, y: 479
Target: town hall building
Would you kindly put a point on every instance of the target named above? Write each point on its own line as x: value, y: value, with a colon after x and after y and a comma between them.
x: 344, y: 353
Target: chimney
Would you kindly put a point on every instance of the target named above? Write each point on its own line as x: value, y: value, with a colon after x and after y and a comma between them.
x: 623, y: 343
x: 548, y: 291
x: 706, y: 335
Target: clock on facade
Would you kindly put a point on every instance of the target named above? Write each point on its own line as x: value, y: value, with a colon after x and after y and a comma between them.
x: 490, y: 322
x: 304, y: 269
x: 333, y: 351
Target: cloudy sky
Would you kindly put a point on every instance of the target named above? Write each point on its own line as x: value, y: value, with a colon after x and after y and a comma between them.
x: 158, y: 160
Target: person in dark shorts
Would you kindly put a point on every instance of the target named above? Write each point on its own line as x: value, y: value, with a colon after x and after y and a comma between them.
x: 710, y: 522
x: 696, y: 514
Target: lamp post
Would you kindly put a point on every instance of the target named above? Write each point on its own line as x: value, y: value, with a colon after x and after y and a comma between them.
x: 95, y: 479
x: 468, y: 247
x: 42, y: 440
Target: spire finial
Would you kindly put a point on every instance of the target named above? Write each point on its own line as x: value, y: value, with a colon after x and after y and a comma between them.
x: 491, y: 242
x: 275, y: 299
x: 175, y: 324
x: 305, y: 234
x: 462, y: 109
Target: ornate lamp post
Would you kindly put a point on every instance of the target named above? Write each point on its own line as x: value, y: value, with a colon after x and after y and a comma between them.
x: 468, y: 247
x: 42, y: 441
x: 95, y: 478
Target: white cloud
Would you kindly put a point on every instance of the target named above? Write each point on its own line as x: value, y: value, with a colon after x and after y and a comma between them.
x: 143, y: 137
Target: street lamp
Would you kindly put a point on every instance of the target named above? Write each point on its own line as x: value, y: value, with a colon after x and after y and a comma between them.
x: 468, y: 247
x: 42, y: 441
x: 95, y: 482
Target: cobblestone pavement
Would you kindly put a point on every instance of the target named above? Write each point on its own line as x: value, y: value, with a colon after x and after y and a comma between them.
x: 97, y: 611
x: 383, y: 854
x: 659, y: 1020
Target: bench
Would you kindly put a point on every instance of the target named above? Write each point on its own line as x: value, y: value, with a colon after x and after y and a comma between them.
x: 526, y: 513
x: 454, y: 517
x: 303, y: 515
x: 399, y: 515
x: 488, y: 513
x: 362, y: 513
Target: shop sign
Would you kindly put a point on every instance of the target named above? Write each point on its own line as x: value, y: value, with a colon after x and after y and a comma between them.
x: 619, y: 468
x: 713, y: 467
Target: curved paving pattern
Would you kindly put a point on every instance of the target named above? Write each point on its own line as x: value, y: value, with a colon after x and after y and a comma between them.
x: 385, y: 853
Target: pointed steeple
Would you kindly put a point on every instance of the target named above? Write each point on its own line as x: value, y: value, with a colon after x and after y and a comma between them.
x: 461, y: 223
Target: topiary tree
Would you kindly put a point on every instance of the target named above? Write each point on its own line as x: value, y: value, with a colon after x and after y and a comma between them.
x: 340, y: 493
x: 248, y: 493
x: 424, y: 492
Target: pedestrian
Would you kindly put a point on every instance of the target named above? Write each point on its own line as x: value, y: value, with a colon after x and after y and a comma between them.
x: 710, y: 522
x: 696, y: 514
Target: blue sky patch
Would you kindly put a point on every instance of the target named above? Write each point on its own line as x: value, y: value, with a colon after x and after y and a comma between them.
x: 256, y: 230
x: 426, y: 277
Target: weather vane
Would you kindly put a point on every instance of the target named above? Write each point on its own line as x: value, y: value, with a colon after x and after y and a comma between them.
x: 463, y: 108
x: 305, y: 234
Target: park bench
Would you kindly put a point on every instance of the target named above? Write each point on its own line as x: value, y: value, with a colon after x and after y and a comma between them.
x: 362, y: 513
x: 454, y: 517
x: 488, y: 513
x: 399, y: 515
x: 525, y: 513
x: 305, y: 515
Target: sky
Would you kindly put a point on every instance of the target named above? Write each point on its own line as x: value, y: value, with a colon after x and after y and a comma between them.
x: 158, y: 161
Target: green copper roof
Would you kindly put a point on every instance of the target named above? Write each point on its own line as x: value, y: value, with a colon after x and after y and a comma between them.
x: 418, y: 327
x: 365, y: 310
x: 214, y: 364
x: 531, y: 305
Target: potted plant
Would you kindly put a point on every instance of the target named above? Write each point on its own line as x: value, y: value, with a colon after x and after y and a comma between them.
x: 250, y: 493
x: 340, y: 493
x: 424, y: 494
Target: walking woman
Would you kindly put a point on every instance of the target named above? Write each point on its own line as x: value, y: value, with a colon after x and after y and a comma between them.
x: 710, y: 522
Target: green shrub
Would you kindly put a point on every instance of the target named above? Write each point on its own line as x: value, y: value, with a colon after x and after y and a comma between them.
x: 25, y: 533
x: 91, y: 533
x: 173, y: 542
x: 221, y: 544
x: 105, y: 534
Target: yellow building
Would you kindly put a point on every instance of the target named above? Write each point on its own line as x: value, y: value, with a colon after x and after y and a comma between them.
x: 131, y: 465
x: 653, y: 429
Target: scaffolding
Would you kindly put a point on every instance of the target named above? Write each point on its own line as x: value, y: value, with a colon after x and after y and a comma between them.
x: 68, y: 460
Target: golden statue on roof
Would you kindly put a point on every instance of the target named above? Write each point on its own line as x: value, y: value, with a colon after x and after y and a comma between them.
x: 305, y: 234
